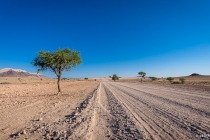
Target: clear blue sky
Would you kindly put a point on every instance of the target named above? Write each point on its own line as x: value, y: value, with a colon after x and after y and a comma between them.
x: 163, y: 38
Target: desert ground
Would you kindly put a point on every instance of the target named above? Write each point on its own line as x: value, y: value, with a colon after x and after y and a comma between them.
x: 103, y: 109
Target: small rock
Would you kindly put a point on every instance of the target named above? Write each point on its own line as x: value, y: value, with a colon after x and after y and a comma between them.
x: 24, y: 132
x: 55, y: 133
x: 40, y: 119
x: 76, y: 113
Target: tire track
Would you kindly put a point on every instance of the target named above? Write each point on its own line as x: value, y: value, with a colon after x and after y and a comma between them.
x: 121, y: 124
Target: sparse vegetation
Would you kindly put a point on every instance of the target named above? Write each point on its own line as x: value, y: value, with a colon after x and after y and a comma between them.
x: 182, y: 80
x: 170, y: 79
x: 86, y: 78
x: 153, y: 78
x: 58, y: 61
x: 142, y: 74
x: 175, y: 82
x: 64, y: 79
x: 115, y: 77
x: 5, y: 83
x: 19, y: 79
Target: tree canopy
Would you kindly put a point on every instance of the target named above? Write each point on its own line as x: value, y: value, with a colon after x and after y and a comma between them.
x: 142, y: 73
x: 62, y: 59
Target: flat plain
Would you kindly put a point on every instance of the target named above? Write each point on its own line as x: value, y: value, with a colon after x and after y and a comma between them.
x: 104, y: 109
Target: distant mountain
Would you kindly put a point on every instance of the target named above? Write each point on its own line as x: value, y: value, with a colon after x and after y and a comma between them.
x: 9, y: 72
x: 195, y: 74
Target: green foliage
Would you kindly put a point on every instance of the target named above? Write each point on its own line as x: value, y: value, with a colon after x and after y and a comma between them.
x: 176, y: 82
x: 143, y: 74
x: 5, y: 83
x: 153, y: 78
x: 115, y: 77
x: 58, y: 61
x: 62, y: 59
x: 182, y: 80
x: 86, y: 78
x: 170, y: 79
x: 64, y: 78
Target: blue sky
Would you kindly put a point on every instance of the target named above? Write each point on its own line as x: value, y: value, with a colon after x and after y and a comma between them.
x: 163, y: 38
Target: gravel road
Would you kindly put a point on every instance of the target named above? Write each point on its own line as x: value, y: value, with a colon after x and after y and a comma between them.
x: 118, y: 110
x: 164, y: 113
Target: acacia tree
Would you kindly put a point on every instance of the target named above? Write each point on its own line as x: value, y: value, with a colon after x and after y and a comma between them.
x: 58, y: 61
x: 115, y: 77
x: 142, y: 74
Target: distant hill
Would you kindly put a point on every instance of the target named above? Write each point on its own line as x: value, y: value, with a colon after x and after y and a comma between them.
x: 9, y: 72
x: 195, y: 74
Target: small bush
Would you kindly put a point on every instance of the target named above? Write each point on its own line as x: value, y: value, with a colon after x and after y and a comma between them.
x: 5, y: 83
x: 153, y: 78
x: 86, y: 78
x: 115, y: 77
x: 176, y: 82
x: 182, y: 80
x: 170, y: 79
x: 64, y: 78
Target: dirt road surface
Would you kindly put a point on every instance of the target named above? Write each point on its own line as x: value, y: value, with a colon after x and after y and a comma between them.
x: 116, y: 110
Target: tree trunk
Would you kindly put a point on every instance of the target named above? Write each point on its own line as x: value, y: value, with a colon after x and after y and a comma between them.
x: 59, y: 90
